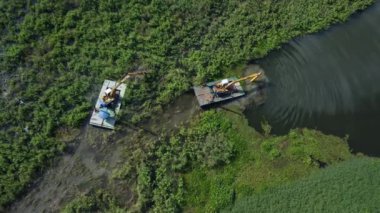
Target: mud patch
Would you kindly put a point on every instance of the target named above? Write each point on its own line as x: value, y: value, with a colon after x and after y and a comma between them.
x: 4, y: 78
x: 92, y: 157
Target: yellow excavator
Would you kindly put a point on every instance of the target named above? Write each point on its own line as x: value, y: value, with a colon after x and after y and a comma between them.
x: 225, y: 87
x: 109, y: 103
x: 110, y: 93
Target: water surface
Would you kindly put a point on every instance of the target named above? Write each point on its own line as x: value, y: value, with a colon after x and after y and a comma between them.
x: 329, y: 81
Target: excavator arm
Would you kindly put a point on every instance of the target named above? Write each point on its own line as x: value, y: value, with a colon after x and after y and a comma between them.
x: 129, y: 75
x: 225, y: 87
x: 251, y: 78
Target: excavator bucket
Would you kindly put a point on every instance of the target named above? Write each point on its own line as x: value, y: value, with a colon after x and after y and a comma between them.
x: 255, y: 76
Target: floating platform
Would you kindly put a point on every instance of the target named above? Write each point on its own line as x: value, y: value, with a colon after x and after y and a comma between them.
x: 108, y: 123
x: 206, y: 95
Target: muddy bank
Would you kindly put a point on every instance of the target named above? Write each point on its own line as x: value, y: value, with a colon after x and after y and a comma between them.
x: 95, y: 153
x: 73, y: 174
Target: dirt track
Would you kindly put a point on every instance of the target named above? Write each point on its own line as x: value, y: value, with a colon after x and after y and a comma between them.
x: 95, y: 153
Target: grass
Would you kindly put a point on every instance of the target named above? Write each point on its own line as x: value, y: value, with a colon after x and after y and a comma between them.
x: 260, y: 163
x: 351, y: 186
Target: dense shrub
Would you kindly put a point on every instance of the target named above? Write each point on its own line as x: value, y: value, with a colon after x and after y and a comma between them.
x: 207, y: 143
x: 99, y: 201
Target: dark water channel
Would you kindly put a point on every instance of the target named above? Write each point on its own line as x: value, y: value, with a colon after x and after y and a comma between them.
x: 328, y: 81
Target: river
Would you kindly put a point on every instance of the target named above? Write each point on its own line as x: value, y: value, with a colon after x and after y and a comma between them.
x: 328, y: 81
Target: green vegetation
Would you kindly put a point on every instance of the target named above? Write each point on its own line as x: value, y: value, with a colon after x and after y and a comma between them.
x: 260, y: 162
x: 55, y: 54
x: 218, y: 158
x: 158, y: 170
x: 99, y: 201
x: 351, y: 186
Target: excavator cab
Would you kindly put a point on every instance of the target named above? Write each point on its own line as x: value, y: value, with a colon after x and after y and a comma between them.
x: 109, y: 101
x: 222, y: 89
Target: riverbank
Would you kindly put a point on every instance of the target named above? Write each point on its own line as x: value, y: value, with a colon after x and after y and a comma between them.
x: 58, y: 52
x: 207, y: 165
x: 260, y: 162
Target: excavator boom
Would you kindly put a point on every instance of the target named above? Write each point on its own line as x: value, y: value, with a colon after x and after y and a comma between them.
x: 129, y: 75
x: 251, y: 78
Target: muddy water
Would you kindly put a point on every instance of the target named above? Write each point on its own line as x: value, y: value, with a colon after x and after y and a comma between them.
x: 329, y: 81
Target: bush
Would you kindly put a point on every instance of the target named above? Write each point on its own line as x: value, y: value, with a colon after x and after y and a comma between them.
x: 99, y: 201
x: 75, y: 117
